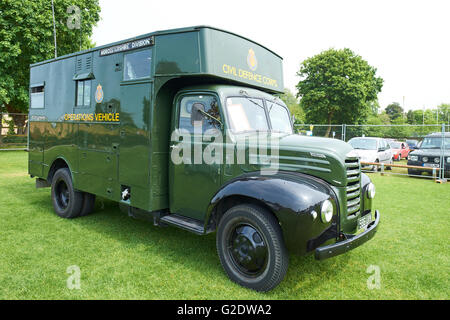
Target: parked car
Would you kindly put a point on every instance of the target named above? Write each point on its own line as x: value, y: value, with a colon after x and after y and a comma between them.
x: 371, y: 149
x: 412, y: 144
x: 400, y: 150
x: 429, y: 154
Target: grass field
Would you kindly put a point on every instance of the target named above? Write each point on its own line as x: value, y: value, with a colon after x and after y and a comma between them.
x: 123, y: 258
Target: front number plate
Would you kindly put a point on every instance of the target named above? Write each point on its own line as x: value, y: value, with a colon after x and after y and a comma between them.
x: 364, y: 221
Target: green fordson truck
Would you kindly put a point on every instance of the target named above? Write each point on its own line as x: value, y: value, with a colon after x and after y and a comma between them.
x: 184, y: 128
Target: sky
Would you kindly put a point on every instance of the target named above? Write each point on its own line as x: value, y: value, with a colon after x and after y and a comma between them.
x: 406, y: 41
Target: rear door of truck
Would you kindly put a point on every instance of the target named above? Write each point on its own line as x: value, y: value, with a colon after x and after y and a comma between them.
x: 135, y: 109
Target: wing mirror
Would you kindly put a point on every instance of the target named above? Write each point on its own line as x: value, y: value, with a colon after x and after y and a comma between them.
x: 196, y: 114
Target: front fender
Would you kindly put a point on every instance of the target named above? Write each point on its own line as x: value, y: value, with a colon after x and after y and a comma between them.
x: 291, y: 197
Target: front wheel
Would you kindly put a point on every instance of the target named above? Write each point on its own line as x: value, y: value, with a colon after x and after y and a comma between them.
x: 376, y: 168
x: 251, y: 247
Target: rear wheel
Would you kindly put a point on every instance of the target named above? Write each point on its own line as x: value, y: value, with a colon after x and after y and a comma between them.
x: 251, y: 247
x: 390, y: 162
x: 88, y: 204
x: 67, y: 202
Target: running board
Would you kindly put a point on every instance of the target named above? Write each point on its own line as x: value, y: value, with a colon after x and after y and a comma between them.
x: 185, y: 223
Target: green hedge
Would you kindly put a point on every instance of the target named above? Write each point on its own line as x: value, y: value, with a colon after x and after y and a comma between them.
x: 14, y: 139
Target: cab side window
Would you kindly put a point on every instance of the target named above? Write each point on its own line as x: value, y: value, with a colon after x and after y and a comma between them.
x: 200, y: 113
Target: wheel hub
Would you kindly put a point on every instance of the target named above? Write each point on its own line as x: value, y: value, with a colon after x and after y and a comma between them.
x: 248, y: 249
x: 62, y: 194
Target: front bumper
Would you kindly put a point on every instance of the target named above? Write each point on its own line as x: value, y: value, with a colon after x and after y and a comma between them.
x: 422, y: 164
x: 349, y: 244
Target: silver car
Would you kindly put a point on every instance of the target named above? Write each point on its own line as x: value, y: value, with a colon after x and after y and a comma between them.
x: 370, y: 149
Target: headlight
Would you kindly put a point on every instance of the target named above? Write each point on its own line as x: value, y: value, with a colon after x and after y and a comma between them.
x: 448, y: 160
x: 425, y: 159
x: 371, y: 191
x: 326, y: 211
x: 437, y: 160
x: 413, y: 158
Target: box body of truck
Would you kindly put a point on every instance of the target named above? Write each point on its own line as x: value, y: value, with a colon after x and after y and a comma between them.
x: 112, y: 125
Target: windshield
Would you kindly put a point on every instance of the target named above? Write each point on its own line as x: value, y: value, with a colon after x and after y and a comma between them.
x: 279, y: 118
x: 247, y: 114
x: 364, y: 144
x: 435, y: 143
x: 395, y: 145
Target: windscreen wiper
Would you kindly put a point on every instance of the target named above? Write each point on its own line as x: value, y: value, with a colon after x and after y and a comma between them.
x: 210, y: 116
x: 245, y: 95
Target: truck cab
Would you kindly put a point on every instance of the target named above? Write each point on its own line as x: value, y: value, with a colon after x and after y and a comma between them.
x: 185, y: 128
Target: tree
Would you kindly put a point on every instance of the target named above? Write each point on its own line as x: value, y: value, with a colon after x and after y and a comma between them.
x: 394, y: 110
x: 26, y: 37
x: 381, y: 121
x: 292, y: 103
x: 410, y: 117
x: 444, y: 113
x: 374, y: 107
x: 400, y: 129
x: 337, y: 87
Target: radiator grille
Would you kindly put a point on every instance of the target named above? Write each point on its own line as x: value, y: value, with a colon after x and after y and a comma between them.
x: 353, y: 185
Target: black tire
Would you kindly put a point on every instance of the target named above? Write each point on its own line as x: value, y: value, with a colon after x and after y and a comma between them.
x: 251, y: 233
x: 376, y: 168
x: 88, y: 204
x: 391, y: 162
x: 67, y: 202
x: 414, y: 172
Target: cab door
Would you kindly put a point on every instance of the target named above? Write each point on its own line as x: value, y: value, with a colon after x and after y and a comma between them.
x: 196, y: 155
